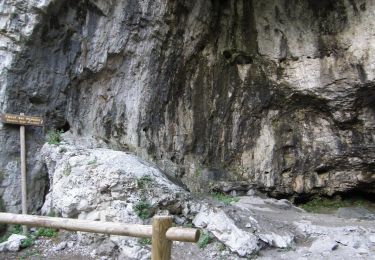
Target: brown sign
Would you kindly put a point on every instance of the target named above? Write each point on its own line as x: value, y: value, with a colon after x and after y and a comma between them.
x: 21, y: 120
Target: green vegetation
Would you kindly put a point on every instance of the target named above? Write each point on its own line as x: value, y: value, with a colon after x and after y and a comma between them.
x: 54, y: 136
x: 17, y: 229
x: 221, y: 247
x: 144, y: 241
x: 226, y: 199
x: 144, y: 181
x: 67, y: 170
x: 319, y: 205
x: 204, y: 240
x: 14, y: 229
x: 142, y: 209
x: 29, y: 241
x: 46, y: 232
x: 188, y: 225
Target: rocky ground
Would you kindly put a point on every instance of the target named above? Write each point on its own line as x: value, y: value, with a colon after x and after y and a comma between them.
x: 107, y: 185
x: 311, y: 236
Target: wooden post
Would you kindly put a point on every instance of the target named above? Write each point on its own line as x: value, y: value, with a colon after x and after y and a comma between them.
x: 161, y: 246
x: 23, y: 173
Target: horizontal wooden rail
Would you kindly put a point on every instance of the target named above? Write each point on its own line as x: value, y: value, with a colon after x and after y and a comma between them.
x: 121, y: 229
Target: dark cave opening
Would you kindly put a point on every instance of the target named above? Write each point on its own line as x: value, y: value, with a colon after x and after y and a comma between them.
x: 65, y: 127
x: 352, y: 199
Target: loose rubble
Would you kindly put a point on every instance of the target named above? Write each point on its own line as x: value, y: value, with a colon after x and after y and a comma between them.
x: 102, y: 184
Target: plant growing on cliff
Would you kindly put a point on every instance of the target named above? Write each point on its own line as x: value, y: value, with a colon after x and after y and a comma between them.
x: 142, y: 209
x: 67, y: 170
x: 54, y: 136
x: 144, y: 181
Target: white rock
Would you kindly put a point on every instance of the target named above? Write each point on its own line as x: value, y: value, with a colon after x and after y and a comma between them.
x: 70, y: 244
x: 13, y: 243
x: 276, y: 240
x: 60, y: 246
x: 108, y: 190
x: 226, y: 231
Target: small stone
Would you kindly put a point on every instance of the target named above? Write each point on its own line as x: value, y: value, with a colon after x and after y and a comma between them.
x: 60, y: 246
x: 372, y: 239
x: 250, y: 192
x: 70, y: 244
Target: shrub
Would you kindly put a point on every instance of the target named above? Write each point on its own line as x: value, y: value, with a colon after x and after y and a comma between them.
x: 142, y: 209
x: 144, y: 181
x: 54, y: 136
x: 144, y: 241
x: 29, y: 241
x: 46, y: 232
x: 204, y: 240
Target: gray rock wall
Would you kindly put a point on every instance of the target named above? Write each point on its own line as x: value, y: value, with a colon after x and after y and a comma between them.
x: 277, y: 93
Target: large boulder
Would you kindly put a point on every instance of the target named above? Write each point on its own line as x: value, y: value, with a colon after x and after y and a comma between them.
x: 107, y: 185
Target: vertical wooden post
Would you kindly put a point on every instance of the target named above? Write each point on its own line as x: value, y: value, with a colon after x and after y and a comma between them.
x: 161, y: 246
x: 23, y: 173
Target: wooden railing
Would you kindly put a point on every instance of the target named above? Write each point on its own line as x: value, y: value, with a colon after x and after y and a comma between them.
x: 161, y: 231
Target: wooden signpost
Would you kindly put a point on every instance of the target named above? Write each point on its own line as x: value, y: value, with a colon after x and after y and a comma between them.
x: 22, y: 120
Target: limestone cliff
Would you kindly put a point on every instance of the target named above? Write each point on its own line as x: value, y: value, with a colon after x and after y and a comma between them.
x: 278, y: 93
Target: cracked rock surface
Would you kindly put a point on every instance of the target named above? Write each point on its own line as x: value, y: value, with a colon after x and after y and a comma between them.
x: 279, y: 94
x: 107, y: 185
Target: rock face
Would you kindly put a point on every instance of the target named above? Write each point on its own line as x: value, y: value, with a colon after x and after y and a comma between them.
x: 276, y: 93
x: 106, y: 185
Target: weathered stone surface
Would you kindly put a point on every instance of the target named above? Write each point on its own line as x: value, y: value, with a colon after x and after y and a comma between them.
x: 102, y: 184
x: 13, y: 243
x: 107, y: 185
x: 224, y: 228
x: 276, y: 93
